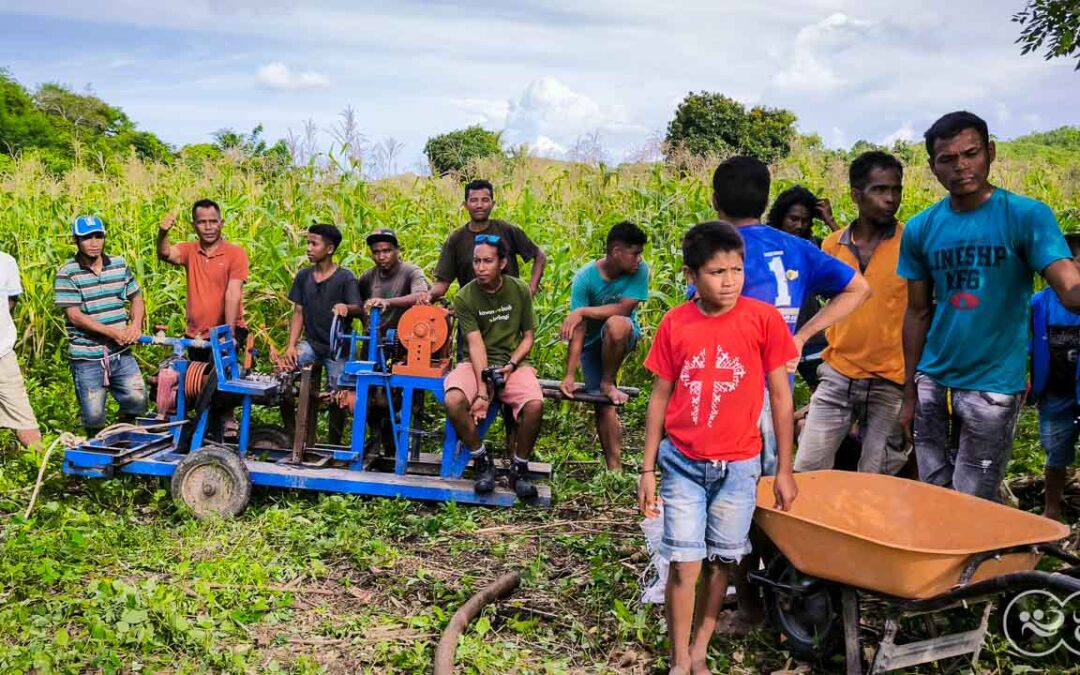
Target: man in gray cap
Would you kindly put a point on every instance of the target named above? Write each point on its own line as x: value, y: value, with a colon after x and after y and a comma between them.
x: 392, y: 286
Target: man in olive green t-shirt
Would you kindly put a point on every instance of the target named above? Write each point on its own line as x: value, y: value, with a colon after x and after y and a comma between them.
x: 496, y: 319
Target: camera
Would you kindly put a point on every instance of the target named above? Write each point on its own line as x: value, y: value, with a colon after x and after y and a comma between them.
x: 493, y: 376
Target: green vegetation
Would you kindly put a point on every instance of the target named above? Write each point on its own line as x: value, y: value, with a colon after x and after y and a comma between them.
x: 107, y: 576
x: 713, y: 124
x: 1056, y: 22
x: 454, y: 150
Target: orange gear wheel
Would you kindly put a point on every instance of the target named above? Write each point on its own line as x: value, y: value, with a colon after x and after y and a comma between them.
x: 423, y: 329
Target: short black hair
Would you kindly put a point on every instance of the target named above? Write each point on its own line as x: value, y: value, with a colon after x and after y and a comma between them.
x: 795, y: 194
x: 328, y: 232
x: 500, y: 247
x: 1073, y: 240
x: 626, y: 233
x: 859, y: 172
x: 704, y: 240
x: 741, y: 187
x: 204, y: 204
x: 479, y: 184
x: 948, y: 126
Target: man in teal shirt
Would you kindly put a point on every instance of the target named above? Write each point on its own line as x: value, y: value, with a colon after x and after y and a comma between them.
x: 969, y: 262
x: 602, y: 327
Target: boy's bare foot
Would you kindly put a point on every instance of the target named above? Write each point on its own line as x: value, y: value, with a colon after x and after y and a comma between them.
x: 734, y: 623
x: 679, y: 670
x: 700, y: 668
x: 617, y: 396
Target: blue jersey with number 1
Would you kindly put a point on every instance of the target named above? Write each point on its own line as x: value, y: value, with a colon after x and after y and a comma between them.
x: 784, y: 270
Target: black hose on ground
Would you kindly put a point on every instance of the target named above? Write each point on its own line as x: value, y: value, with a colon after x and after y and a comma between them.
x: 496, y: 590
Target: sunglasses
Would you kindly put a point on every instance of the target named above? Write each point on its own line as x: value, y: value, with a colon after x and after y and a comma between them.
x: 488, y: 239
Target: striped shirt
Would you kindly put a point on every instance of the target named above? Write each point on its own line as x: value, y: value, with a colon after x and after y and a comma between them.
x: 102, y: 297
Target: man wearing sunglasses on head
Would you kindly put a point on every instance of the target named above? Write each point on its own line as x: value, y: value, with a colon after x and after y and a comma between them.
x: 495, y: 315
x: 456, y: 259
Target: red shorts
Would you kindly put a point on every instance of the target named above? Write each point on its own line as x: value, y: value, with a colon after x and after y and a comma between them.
x: 521, y: 386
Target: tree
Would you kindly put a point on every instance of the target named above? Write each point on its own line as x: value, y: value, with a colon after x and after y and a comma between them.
x: 711, y: 123
x: 1056, y: 21
x: 454, y: 150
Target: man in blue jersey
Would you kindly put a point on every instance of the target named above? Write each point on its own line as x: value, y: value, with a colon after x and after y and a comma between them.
x: 969, y: 262
x: 783, y: 270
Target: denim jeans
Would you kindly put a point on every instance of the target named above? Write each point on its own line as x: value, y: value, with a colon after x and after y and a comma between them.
x: 125, y: 381
x: 969, y: 449
x: 839, y: 401
x: 1059, y: 431
x: 333, y: 367
x: 708, y: 506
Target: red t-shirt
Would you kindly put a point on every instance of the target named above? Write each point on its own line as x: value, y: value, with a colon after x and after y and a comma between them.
x: 718, y: 365
x: 207, y: 278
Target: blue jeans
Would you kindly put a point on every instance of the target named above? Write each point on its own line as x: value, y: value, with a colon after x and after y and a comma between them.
x: 708, y: 506
x: 969, y: 449
x: 334, y: 367
x: 125, y: 383
x: 1059, y: 431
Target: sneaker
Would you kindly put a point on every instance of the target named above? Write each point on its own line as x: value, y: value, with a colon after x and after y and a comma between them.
x: 519, y: 478
x: 484, y: 472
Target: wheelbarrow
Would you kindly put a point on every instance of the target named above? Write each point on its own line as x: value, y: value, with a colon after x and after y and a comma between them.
x: 908, y: 548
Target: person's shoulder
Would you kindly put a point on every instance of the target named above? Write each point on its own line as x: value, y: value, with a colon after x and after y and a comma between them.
x: 587, y: 271
x: 504, y: 225
x: 927, y: 215
x: 8, y: 260
x: 68, y: 267
x: 758, y: 309
x: 410, y: 269
x: 519, y: 285
x: 1027, y: 206
x: 304, y: 273
x: 117, y: 262
x: 346, y: 274
x: 832, y: 242
x: 234, y: 249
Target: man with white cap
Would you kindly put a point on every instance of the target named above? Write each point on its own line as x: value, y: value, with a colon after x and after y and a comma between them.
x: 94, y: 291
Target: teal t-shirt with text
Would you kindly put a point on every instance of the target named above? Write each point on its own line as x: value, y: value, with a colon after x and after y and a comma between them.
x: 981, y: 265
x: 591, y: 289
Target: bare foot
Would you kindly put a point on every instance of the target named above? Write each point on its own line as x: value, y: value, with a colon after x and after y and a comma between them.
x: 617, y: 396
x: 679, y: 670
x: 734, y: 623
x: 700, y: 668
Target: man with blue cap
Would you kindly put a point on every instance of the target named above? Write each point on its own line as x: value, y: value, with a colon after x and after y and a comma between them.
x: 94, y: 291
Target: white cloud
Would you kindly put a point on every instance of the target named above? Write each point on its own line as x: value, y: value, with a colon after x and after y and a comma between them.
x: 277, y: 75
x: 552, y: 111
x: 815, y: 46
x: 904, y: 133
x: 545, y: 147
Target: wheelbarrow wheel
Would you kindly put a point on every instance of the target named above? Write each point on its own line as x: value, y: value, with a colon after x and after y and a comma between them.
x: 212, y: 481
x: 810, y: 621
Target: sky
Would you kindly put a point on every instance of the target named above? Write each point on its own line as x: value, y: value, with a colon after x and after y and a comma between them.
x: 547, y: 73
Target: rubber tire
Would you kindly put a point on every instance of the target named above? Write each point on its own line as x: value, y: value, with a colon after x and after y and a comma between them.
x: 268, y: 436
x: 215, y: 468
x: 800, y: 643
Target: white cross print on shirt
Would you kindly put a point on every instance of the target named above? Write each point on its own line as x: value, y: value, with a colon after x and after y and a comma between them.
x: 728, y: 372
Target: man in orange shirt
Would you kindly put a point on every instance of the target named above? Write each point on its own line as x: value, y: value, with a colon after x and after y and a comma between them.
x: 216, y: 272
x: 862, y: 377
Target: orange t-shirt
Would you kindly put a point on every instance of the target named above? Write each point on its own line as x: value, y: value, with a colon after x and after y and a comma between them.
x: 208, y: 277
x: 869, y: 342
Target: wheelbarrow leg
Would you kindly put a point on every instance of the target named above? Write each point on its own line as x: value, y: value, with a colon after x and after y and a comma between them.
x: 852, y: 646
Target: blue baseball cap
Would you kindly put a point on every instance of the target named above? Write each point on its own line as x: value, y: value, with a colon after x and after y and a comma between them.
x: 85, y: 225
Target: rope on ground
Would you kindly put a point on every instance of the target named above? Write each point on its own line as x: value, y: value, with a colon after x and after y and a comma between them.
x: 70, y: 440
x: 496, y: 590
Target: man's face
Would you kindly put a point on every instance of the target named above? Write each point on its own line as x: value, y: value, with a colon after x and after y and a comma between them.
x: 479, y: 204
x: 91, y: 245
x: 384, y: 254
x: 487, y: 265
x: 719, y: 281
x: 626, y: 257
x: 207, y: 224
x: 798, y: 221
x: 318, y: 249
x: 962, y: 163
x: 879, y: 201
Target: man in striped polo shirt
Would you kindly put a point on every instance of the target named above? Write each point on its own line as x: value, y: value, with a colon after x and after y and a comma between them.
x: 94, y: 289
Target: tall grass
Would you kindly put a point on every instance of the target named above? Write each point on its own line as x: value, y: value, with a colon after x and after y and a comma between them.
x: 566, y: 208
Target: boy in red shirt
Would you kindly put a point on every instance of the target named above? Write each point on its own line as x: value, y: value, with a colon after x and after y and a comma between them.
x: 712, y: 357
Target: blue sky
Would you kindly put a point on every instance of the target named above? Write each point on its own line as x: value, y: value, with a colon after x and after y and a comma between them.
x: 547, y: 73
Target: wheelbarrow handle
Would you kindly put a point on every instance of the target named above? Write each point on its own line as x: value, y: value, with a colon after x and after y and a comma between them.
x: 1065, y: 582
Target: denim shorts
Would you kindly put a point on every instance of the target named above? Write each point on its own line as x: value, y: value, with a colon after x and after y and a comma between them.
x: 305, y: 355
x: 1059, y: 430
x: 706, y: 514
x: 592, y: 359
x: 125, y: 383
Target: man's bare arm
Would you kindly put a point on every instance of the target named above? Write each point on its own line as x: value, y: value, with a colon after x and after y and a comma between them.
x: 1064, y: 277
x: 165, y: 250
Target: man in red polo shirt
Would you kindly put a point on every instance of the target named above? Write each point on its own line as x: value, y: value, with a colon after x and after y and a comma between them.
x: 216, y: 272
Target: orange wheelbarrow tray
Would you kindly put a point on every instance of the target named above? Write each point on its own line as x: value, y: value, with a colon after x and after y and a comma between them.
x: 918, y: 547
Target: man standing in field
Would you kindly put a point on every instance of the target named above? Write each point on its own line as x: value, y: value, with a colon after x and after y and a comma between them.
x: 319, y: 293
x: 392, y: 286
x: 602, y: 327
x: 216, y: 272
x: 15, y: 411
x: 969, y: 262
x: 456, y: 259
x: 93, y: 289
x: 862, y: 376
x: 782, y: 270
x: 495, y: 314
